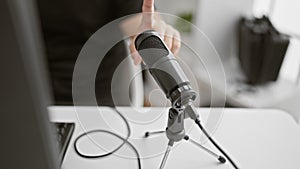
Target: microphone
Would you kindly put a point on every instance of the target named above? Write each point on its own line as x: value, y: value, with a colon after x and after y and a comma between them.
x: 165, y: 69
x: 172, y: 80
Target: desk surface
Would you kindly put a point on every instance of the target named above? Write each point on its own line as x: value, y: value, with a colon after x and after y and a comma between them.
x: 255, y: 138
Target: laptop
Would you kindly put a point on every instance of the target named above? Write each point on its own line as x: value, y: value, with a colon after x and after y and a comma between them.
x: 28, y: 139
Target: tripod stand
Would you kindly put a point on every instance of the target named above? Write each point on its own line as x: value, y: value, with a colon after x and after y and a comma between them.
x: 175, y: 132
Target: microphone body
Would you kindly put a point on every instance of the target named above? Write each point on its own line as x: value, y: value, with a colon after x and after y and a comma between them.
x: 165, y: 69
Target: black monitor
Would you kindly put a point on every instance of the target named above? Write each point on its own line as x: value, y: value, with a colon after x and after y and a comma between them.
x: 26, y: 138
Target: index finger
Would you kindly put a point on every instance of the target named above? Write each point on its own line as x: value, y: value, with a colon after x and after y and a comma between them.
x: 148, y: 10
x: 148, y: 6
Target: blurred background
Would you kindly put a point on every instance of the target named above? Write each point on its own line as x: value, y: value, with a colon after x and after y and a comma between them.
x: 251, y: 74
x: 221, y: 22
x: 257, y: 64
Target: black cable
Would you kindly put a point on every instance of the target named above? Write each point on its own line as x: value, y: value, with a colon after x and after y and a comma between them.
x: 215, y: 144
x: 125, y: 141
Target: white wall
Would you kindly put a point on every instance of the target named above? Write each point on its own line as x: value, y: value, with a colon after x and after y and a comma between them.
x: 218, y: 19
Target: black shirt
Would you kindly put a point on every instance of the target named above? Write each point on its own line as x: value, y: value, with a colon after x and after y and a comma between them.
x: 67, y: 25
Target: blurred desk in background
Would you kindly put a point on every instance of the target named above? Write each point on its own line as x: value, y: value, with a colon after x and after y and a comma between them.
x: 255, y: 138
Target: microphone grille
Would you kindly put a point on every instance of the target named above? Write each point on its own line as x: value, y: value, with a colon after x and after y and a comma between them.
x: 152, y: 49
x: 152, y: 42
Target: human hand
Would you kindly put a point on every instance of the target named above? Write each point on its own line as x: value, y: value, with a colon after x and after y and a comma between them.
x: 151, y: 20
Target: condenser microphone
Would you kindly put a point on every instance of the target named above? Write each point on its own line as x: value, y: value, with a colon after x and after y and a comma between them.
x: 165, y: 69
x: 172, y: 80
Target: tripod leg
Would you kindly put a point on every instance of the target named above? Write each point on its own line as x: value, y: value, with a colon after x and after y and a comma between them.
x: 219, y: 157
x: 148, y: 133
x: 166, y: 155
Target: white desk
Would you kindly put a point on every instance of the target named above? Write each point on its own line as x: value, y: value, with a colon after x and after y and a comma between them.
x: 255, y: 138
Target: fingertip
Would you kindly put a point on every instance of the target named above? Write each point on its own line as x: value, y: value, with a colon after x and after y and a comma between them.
x: 148, y: 6
x: 176, y: 52
x: 175, y: 46
x: 176, y: 40
x: 177, y: 36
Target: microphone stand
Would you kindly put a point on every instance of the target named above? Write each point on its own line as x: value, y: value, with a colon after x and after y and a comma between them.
x: 175, y: 131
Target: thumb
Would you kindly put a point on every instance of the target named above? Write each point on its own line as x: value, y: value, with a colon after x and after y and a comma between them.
x: 137, y: 59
